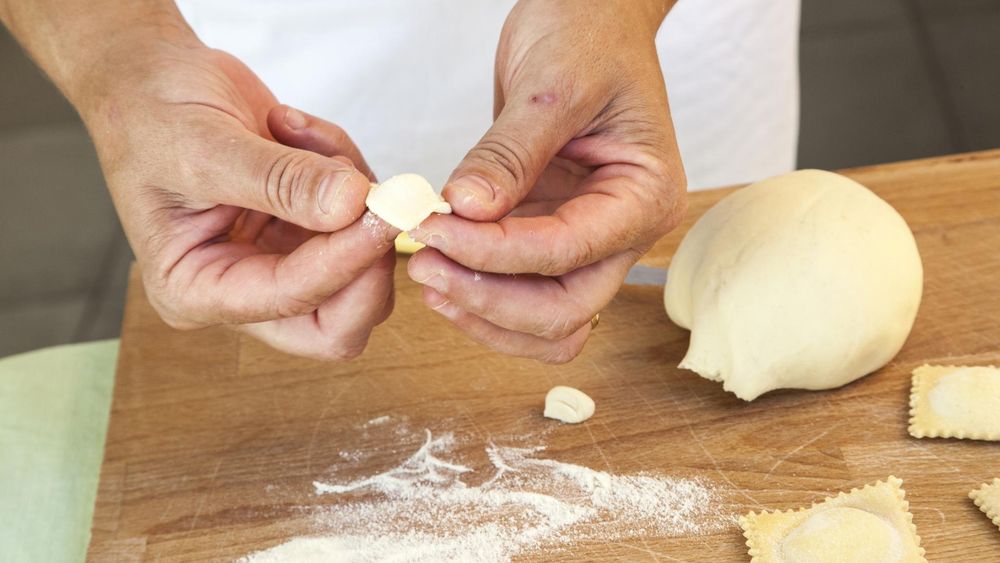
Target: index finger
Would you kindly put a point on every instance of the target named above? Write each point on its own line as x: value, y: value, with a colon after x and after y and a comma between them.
x: 232, y: 282
x: 612, y: 216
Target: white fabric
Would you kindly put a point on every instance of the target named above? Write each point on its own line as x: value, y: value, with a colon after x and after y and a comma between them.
x: 412, y: 81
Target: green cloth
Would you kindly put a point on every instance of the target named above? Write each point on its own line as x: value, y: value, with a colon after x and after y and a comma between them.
x: 54, y: 408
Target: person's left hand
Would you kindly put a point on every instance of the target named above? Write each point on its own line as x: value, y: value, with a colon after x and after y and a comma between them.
x: 578, y: 176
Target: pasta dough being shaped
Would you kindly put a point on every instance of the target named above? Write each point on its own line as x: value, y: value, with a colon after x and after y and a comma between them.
x: 955, y: 402
x: 987, y: 498
x: 567, y: 404
x: 806, y: 280
x: 869, y: 525
x: 405, y: 200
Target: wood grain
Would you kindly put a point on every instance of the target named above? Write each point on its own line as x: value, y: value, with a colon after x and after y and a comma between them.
x: 215, y: 439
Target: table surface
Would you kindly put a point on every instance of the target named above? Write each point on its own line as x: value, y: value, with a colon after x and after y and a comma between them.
x: 215, y: 439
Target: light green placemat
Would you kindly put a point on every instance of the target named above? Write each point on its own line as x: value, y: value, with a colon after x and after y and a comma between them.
x: 54, y: 408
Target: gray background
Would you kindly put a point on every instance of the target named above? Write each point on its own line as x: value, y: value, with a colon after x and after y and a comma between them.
x: 882, y: 80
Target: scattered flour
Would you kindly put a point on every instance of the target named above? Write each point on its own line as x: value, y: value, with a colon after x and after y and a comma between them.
x: 422, y: 510
x: 377, y: 228
x: 353, y: 455
x: 377, y: 421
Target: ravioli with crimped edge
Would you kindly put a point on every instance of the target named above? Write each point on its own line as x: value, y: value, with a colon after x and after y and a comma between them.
x: 987, y: 498
x: 955, y: 402
x: 872, y: 524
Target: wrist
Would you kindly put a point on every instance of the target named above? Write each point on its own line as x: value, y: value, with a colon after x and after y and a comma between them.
x: 640, y: 18
x: 89, y: 47
x: 123, y: 63
x: 652, y: 12
x: 636, y: 18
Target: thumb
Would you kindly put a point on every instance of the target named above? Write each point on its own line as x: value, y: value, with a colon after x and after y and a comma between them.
x: 298, y: 129
x: 503, y: 167
x: 319, y: 193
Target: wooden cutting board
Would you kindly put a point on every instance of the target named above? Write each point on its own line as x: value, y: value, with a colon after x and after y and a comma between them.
x: 215, y: 439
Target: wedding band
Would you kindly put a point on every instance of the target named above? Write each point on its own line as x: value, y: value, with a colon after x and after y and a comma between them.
x: 595, y: 321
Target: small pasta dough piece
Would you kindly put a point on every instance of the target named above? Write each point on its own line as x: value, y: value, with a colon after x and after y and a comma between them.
x: 567, y: 404
x: 955, y: 402
x: 405, y: 200
x: 868, y: 525
x: 987, y: 498
x: 406, y: 245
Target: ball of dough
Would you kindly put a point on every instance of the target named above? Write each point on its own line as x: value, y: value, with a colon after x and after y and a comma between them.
x: 806, y: 280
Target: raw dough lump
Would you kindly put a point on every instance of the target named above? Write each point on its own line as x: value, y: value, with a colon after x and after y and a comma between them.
x: 404, y: 201
x: 405, y: 244
x: 955, y: 402
x: 869, y: 525
x: 567, y: 404
x: 806, y: 280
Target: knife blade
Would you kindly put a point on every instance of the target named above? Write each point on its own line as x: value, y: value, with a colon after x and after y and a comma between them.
x: 646, y: 275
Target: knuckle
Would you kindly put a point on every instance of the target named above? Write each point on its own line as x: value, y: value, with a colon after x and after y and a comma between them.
x: 344, y: 351
x: 679, y: 211
x: 172, y: 315
x: 670, y: 211
x: 479, y: 303
x: 505, y: 153
x: 284, y: 180
x: 669, y: 202
x: 173, y: 320
x: 479, y: 260
x: 564, y: 324
x: 580, y: 252
x: 561, y: 354
x: 557, y: 328
x: 550, y: 265
x: 339, y: 137
x: 169, y: 303
x: 292, y: 306
x: 566, y: 256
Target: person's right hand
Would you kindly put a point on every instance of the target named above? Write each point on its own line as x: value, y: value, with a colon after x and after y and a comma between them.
x: 239, y: 211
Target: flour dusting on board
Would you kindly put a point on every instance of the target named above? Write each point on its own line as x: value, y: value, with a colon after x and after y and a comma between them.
x: 426, y: 509
x: 378, y: 420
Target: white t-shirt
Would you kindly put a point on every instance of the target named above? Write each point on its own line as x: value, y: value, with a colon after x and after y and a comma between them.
x: 412, y: 80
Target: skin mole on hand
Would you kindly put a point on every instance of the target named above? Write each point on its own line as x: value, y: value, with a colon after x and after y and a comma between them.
x: 546, y: 98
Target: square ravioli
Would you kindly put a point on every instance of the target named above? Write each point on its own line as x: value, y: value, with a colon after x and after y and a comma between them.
x: 955, y: 402
x: 987, y: 498
x: 868, y: 525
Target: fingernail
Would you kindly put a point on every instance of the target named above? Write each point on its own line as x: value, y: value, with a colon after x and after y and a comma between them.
x: 471, y: 189
x: 440, y: 304
x: 295, y: 119
x: 430, y: 237
x: 447, y: 309
x: 424, y: 275
x: 435, y: 281
x: 330, y: 189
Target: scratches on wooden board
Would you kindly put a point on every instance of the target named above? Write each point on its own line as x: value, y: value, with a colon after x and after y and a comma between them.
x: 799, y: 448
x: 319, y: 422
x: 205, y: 495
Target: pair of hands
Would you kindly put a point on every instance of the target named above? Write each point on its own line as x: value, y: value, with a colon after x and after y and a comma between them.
x: 247, y: 213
